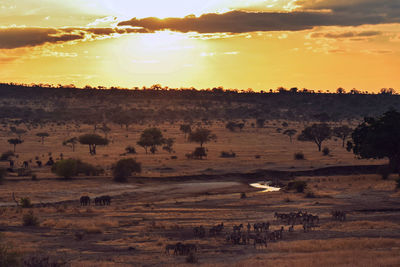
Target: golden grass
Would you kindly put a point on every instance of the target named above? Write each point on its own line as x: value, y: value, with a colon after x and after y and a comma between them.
x: 360, y: 225
x: 312, y: 246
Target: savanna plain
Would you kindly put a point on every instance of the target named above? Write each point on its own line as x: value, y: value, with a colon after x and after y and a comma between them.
x: 182, y: 209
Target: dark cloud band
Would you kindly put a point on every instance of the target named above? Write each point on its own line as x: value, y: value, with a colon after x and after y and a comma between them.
x: 11, y: 38
x: 311, y: 14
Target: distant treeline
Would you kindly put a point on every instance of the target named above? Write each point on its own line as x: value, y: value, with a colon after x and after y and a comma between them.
x: 129, y: 106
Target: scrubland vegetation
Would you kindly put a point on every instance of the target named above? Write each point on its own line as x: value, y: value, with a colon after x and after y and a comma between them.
x: 100, y: 177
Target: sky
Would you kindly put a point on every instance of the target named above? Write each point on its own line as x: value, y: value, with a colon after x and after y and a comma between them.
x: 237, y: 44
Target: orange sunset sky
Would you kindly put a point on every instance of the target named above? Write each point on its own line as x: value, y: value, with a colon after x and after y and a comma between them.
x: 316, y: 44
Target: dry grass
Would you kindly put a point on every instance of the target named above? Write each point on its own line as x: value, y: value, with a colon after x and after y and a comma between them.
x: 359, y: 225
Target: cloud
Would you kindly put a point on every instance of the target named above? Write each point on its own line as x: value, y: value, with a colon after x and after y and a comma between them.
x: 17, y: 37
x: 347, y: 34
x: 310, y: 14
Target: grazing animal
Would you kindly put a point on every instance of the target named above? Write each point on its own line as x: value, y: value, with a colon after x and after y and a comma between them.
x: 85, y: 201
x: 169, y: 247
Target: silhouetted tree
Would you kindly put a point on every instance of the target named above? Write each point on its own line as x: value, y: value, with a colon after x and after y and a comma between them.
x: 186, y: 129
x: 168, y: 145
x: 378, y: 138
x: 290, y: 133
x: 124, y: 168
x: 15, y: 142
x: 93, y: 140
x: 151, y: 137
x: 260, y: 123
x: 42, y: 136
x: 71, y: 143
x: 201, y: 136
x: 316, y: 133
x: 342, y: 132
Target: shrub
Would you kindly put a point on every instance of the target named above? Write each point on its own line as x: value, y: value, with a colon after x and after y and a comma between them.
x: 225, y: 154
x: 88, y: 169
x: 191, y: 258
x: 29, y: 219
x: 6, y: 155
x: 124, y: 168
x: 8, y: 257
x: 326, y: 151
x: 3, y: 173
x: 299, y: 156
x: 25, y: 202
x: 310, y: 194
x: 299, y: 186
x: 65, y: 168
x: 130, y: 150
x: 199, y: 153
x: 384, y: 171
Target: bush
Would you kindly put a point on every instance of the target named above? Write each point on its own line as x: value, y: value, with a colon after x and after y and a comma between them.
x: 25, y: 202
x: 130, y: 150
x: 199, y: 153
x: 225, y: 154
x: 3, y: 173
x: 384, y: 171
x: 29, y: 219
x: 65, y: 168
x: 299, y: 186
x: 299, y: 156
x: 8, y: 257
x: 326, y: 151
x: 124, y: 168
x: 88, y: 169
x: 6, y: 155
x: 191, y: 258
x: 310, y: 194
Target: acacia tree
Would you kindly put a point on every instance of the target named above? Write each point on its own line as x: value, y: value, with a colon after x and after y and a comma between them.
x: 71, y: 143
x: 378, y: 138
x: 93, y: 140
x: 15, y: 142
x: 42, y: 136
x: 342, y: 132
x: 316, y: 133
x: 151, y: 137
x: 290, y: 133
x: 201, y: 136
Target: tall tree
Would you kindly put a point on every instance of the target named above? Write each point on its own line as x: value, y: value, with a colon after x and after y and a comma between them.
x: 378, y: 138
x: 342, y: 132
x: 316, y: 133
x: 151, y: 138
x: 290, y: 133
x: 93, y: 140
x: 71, y: 143
x: 186, y: 129
x: 15, y: 142
x: 42, y: 136
x: 201, y: 136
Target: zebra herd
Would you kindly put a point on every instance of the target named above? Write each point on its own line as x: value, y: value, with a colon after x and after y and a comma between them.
x: 98, y: 201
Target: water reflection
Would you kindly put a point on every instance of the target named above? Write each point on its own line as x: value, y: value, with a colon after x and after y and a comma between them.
x: 265, y: 185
